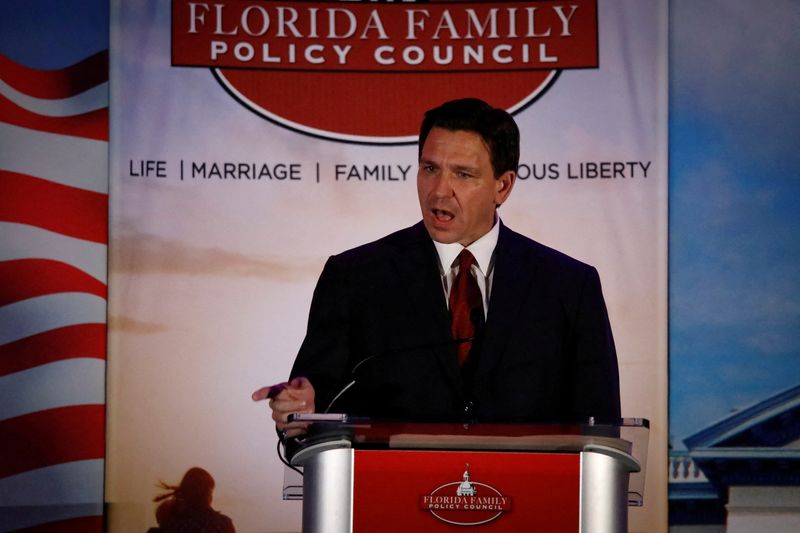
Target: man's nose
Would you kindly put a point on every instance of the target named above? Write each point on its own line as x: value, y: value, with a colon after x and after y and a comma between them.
x: 443, y: 186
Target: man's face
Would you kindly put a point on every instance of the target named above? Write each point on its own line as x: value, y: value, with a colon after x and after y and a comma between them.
x: 457, y: 188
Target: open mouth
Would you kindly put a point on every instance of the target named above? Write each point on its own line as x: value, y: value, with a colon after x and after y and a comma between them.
x: 442, y: 216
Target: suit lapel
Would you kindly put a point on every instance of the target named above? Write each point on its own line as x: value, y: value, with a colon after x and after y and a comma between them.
x: 513, y: 276
x: 417, y: 265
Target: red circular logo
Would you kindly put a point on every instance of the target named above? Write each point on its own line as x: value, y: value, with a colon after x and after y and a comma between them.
x: 365, y: 72
x: 373, y: 108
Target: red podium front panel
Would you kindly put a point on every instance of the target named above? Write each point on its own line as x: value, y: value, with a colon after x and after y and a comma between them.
x: 421, y: 491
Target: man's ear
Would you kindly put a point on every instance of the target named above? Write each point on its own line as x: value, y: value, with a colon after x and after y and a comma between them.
x: 503, y: 185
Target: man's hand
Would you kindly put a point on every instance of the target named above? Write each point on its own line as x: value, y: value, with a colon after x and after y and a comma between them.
x: 296, y: 396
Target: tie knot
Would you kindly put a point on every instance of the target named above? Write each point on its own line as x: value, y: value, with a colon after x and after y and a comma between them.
x: 465, y: 260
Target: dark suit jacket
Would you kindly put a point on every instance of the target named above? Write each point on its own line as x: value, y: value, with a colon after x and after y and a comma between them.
x: 546, y: 352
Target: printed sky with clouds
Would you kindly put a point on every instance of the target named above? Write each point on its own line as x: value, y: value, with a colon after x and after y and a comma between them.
x: 734, y: 208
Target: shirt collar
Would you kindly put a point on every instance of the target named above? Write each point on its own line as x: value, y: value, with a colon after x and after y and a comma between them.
x: 482, y: 250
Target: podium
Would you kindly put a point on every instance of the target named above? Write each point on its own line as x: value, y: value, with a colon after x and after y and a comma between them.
x: 365, y: 476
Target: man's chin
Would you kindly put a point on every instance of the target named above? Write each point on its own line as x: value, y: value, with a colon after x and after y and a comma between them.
x: 439, y: 234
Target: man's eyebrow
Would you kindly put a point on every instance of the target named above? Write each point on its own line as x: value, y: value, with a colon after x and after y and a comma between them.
x: 455, y: 167
x: 465, y: 168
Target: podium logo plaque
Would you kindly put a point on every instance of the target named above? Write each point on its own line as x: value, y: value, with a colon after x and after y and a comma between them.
x: 465, y: 502
x: 431, y: 491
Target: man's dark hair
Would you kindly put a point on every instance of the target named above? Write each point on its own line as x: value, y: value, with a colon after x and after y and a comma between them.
x: 495, y: 126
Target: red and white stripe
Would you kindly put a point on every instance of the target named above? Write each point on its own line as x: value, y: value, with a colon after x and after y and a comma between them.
x: 53, y: 257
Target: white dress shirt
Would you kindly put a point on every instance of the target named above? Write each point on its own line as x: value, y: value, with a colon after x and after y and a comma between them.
x: 483, y: 269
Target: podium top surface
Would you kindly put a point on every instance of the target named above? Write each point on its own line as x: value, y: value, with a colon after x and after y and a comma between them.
x: 391, y: 433
x: 340, y: 430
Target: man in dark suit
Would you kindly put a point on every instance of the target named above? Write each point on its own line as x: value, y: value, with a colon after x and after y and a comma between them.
x: 457, y: 317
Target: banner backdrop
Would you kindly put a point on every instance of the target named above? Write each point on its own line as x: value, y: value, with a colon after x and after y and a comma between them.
x: 251, y: 140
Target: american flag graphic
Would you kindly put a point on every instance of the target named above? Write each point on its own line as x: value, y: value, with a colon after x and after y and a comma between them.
x: 53, y: 257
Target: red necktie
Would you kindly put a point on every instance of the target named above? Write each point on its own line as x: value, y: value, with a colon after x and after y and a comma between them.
x: 465, y: 302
